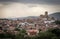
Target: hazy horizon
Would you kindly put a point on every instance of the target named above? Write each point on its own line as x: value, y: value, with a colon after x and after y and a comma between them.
x: 23, y: 8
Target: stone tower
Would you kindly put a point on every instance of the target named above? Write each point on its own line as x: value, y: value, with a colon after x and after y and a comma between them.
x: 46, y: 14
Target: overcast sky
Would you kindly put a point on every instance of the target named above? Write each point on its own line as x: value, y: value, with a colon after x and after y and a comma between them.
x: 23, y: 8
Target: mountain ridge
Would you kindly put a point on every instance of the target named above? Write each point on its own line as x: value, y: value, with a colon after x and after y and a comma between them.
x: 56, y: 15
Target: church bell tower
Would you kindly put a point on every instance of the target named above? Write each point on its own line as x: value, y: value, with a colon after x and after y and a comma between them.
x: 46, y: 14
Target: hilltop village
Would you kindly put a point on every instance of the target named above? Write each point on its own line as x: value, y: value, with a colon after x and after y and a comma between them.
x: 31, y: 25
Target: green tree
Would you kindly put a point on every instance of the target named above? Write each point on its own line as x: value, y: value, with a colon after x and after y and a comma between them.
x: 21, y: 34
x: 45, y: 35
x: 55, y: 31
x: 57, y: 22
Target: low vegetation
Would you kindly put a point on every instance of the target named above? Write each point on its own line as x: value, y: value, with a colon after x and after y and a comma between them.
x: 49, y: 34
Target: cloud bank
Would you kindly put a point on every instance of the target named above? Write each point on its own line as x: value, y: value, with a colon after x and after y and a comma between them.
x: 23, y: 8
x: 34, y: 1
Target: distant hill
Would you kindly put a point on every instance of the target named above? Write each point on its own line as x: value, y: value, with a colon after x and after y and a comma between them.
x: 20, y: 18
x: 55, y: 15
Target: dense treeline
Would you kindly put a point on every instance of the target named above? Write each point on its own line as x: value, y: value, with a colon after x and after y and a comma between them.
x: 49, y: 34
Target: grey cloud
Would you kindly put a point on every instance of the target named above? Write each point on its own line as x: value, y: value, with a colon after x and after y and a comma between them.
x: 34, y: 1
